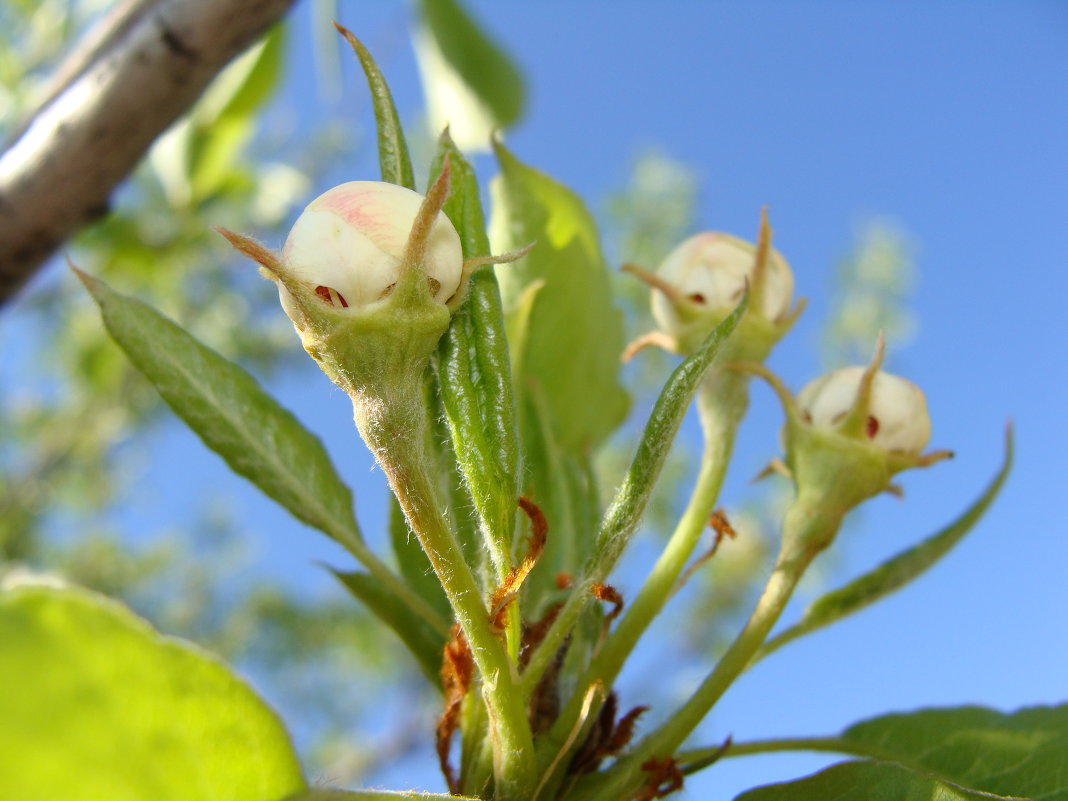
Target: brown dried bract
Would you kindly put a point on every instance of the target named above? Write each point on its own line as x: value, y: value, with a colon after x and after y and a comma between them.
x: 624, y: 730
x: 457, y: 668
x: 664, y: 779
x: 608, y: 594
x: 544, y: 706
x: 509, y: 589
x: 607, y: 737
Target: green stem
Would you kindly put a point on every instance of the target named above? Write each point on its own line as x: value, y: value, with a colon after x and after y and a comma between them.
x: 393, y: 428
x: 807, y: 529
x: 721, y: 403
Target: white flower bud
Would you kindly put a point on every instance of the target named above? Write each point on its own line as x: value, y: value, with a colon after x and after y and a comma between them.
x: 897, y: 411
x: 351, y: 240
x: 710, y: 271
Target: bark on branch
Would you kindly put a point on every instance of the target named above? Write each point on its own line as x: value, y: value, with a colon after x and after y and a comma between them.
x: 60, y: 171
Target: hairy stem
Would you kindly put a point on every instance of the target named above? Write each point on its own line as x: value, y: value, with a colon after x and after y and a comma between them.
x: 394, y: 431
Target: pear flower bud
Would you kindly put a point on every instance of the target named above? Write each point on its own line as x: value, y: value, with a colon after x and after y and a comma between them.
x: 349, y: 243
x: 897, y: 418
x: 709, y: 272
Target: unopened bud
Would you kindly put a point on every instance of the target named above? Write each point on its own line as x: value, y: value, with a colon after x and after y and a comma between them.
x: 349, y: 244
x: 896, y: 420
x: 709, y: 272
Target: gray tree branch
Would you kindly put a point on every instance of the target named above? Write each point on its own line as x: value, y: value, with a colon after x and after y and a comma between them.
x: 59, y: 173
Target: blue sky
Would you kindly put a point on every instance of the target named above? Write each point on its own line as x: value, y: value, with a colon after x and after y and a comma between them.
x: 948, y: 117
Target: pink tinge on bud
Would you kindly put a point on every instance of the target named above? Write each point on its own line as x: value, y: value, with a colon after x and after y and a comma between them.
x: 350, y: 241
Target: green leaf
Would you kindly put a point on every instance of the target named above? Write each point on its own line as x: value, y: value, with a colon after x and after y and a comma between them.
x: 1024, y: 753
x: 574, y: 334
x: 225, y: 119
x: 466, y: 74
x: 964, y: 752
x: 95, y: 704
x: 474, y: 373
x: 424, y: 643
x: 415, y: 567
x: 393, y: 155
x: 897, y: 571
x: 866, y: 781
x: 231, y: 413
x: 373, y: 795
x: 631, y: 498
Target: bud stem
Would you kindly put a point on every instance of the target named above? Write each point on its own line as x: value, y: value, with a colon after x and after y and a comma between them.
x: 807, y: 529
x: 393, y: 427
x: 722, y: 402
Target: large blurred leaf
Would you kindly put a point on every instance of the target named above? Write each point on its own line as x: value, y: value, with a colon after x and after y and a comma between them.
x: 228, y: 409
x: 574, y: 334
x: 94, y: 705
x: 471, y: 84
x: 964, y: 752
x: 866, y: 781
x: 373, y: 795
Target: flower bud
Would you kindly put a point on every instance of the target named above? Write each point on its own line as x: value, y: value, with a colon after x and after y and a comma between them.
x: 349, y: 244
x: 704, y: 279
x: 709, y: 272
x: 846, y: 435
x: 897, y: 418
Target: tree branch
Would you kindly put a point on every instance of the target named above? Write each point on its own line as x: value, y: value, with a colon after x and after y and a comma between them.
x: 60, y: 172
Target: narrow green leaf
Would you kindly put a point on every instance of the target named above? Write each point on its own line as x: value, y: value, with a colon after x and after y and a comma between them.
x: 867, y: 781
x: 482, y: 67
x: 424, y: 643
x: 322, y: 794
x: 225, y: 119
x: 474, y: 372
x: 899, y: 570
x: 631, y: 498
x: 228, y: 409
x: 393, y: 155
x: 574, y: 334
x: 413, y: 563
x: 1024, y: 753
x: 95, y: 704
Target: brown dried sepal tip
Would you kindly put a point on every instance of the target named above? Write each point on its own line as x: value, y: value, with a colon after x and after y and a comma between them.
x: 457, y: 668
x: 664, y: 779
x: 513, y: 582
x: 608, y: 594
x: 563, y: 581
x: 721, y: 526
